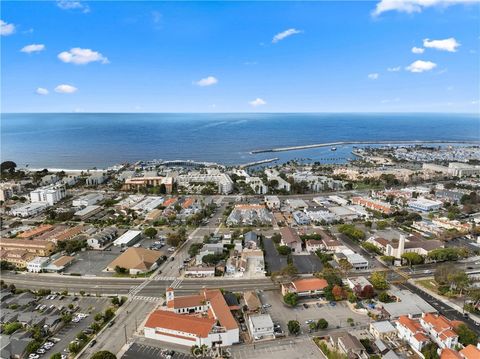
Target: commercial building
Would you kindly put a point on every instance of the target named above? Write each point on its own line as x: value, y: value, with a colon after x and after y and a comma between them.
x: 37, y: 264
x: 425, y: 205
x: 136, y: 260
x: 87, y: 200
x: 306, y: 287
x: 148, y: 204
x: 260, y: 326
x: 357, y: 261
x: 17, y: 257
x: 149, y: 181
x: 202, y: 319
x: 34, y: 232
x: 102, y: 239
x: 129, y: 238
x: 382, y: 330
x: 88, y: 212
x: 379, y: 206
x: 37, y: 247
x: 199, y: 272
x: 406, y: 303
x: 59, y: 264
x: 30, y: 209
x: 49, y: 194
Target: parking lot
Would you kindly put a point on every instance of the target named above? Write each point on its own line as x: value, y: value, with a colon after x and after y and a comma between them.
x: 93, y: 262
x: 275, y: 262
x: 336, y: 316
x: 138, y: 350
x: 307, y: 263
x: 86, y: 305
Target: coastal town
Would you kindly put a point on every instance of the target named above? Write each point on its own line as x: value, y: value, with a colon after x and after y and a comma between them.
x: 378, y: 257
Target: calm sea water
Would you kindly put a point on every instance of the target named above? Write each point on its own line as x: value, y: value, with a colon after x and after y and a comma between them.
x: 77, y: 141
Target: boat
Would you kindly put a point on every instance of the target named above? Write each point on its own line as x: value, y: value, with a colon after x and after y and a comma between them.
x: 333, y: 149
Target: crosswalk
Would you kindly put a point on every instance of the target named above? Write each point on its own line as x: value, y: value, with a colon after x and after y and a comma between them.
x: 163, y: 278
x: 176, y: 283
x: 147, y: 298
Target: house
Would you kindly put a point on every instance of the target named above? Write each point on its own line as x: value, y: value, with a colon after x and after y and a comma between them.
x: 412, y: 332
x: 252, y: 301
x: 440, y: 329
x: 260, y: 326
x: 357, y: 261
x: 348, y: 344
x: 332, y: 245
x: 360, y: 282
x: 202, y: 319
x: 251, y: 240
x: 301, y: 218
x: 299, y: 204
x: 382, y: 330
x: 291, y: 239
x: 470, y: 352
x: 95, y: 179
x: 313, y: 245
x: 136, y: 260
x: 272, y: 202
x: 306, y: 287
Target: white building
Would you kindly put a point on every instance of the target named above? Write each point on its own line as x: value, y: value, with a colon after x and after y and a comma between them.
x: 260, y: 325
x: 30, y: 209
x: 202, y: 319
x: 148, y: 204
x: 49, y: 194
x: 424, y: 204
x: 357, y: 261
x: 257, y: 185
x: 222, y: 180
x: 87, y: 200
x: 274, y: 175
x: 128, y: 238
x: 95, y: 179
x: 37, y: 264
x: 101, y: 239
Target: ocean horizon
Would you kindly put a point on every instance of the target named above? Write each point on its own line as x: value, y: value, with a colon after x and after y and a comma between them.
x: 88, y: 140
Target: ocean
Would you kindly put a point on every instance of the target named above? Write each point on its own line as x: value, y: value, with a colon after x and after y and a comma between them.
x: 87, y: 140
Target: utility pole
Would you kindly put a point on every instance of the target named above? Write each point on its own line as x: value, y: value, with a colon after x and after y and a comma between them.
x: 125, y: 331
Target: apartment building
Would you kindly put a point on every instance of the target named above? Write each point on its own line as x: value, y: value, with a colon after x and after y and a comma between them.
x: 49, y: 194
x: 40, y: 248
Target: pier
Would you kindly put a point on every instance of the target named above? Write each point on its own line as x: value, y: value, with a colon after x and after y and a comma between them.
x: 342, y: 143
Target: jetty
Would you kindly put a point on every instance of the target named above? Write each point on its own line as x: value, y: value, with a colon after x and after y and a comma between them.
x: 261, y: 162
x: 342, y: 143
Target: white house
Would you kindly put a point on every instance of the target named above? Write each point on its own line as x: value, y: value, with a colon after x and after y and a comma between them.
x: 272, y: 202
x: 260, y: 325
x: 37, y: 264
x: 412, y: 332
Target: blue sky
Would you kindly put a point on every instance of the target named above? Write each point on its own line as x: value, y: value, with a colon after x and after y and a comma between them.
x: 92, y: 56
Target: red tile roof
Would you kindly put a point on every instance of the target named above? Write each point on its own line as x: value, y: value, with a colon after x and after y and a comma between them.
x: 470, y: 352
x: 199, y: 326
x: 448, y: 353
x: 310, y: 284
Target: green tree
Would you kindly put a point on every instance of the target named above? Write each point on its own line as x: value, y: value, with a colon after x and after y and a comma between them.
x: 384, y: 297
x: 120, y: 270
x: 429, y: 351
x: 322, y: 324
x: 379, y: 280
x: 150, y: 232
x: 284, y: 250
x: 109, y: 314
x: 466, y: 336
x: 32, y: 346
x: 56, y: 356
x: 293, y: 327
x: 291, y: 299
x: 103, y: 354
x: 412, y: 258
x: 74, y: 348
x: 8, y: 166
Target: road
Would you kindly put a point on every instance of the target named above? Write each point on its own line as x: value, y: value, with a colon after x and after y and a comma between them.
x: 442, y: 307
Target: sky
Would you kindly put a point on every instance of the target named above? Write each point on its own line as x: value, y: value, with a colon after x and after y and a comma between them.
x: 360, y: 56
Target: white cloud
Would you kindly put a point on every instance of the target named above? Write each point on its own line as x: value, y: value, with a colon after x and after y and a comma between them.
x: 73, y: 5
x: 207, y: 81
x: 6, y: 29
x: 41, y: 91
x: 418, y: 50
x: 282, y: 35
x: 258, y: 102
x: 64, y: 88
x: 33, y: 48
x: 421, y: 66
x: 413, y: 6
x: 80, y: 56
x: 373, y: 76
x: 394, y: 69
x: 449, y: 44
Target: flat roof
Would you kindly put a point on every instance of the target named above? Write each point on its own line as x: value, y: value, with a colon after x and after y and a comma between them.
x: 261, y: 320
x: 127, y: 237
